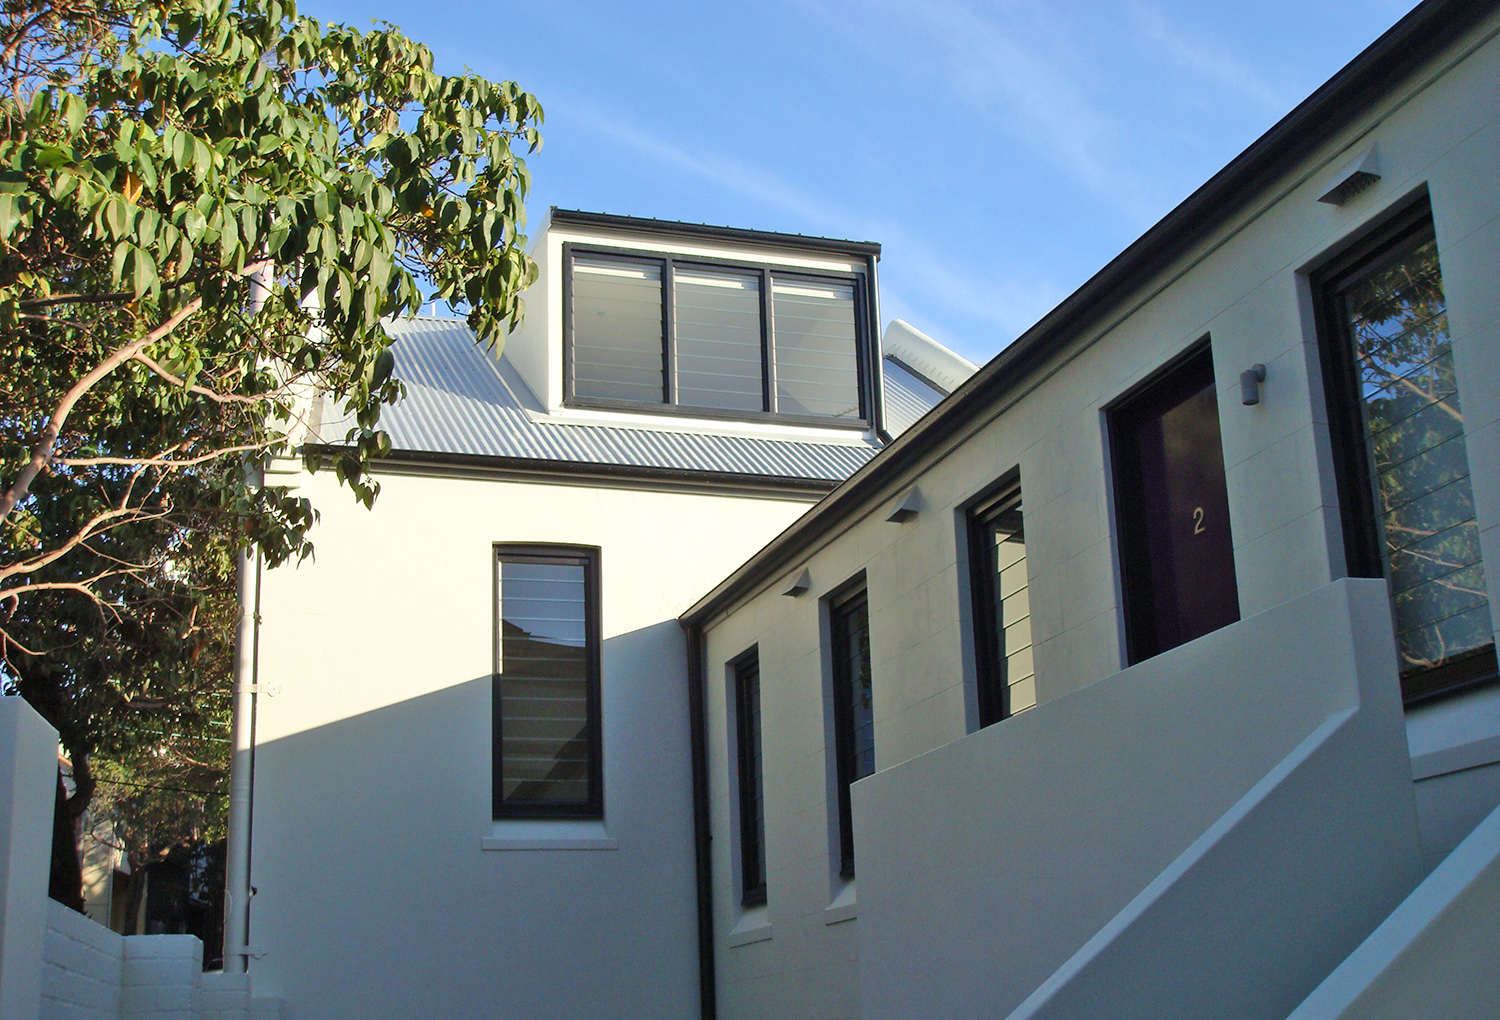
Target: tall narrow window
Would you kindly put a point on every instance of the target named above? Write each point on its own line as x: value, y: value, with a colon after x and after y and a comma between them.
x: 546, y: 757
x: 817, y: 363
x: 746, y: 672
x: 1176, y: 554
x: 1002, y: 606
x: 718, y: 340
x: 1398, y: 428
x: 617, y: 348
x: 853, y: 712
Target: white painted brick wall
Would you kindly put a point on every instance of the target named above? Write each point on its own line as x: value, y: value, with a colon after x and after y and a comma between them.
x: 91, y: 973
x: 82, y: 963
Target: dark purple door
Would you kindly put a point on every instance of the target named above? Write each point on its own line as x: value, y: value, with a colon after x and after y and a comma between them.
x: 1176, y: 551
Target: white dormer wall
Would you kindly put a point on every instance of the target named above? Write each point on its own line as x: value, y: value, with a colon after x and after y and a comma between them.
x: 536, y: 349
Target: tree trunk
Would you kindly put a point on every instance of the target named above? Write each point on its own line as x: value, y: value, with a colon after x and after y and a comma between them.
x: 65, y: 884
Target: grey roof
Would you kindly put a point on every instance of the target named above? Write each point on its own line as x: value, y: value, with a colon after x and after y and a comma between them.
x: 908, y: 396
x: 460, y: 400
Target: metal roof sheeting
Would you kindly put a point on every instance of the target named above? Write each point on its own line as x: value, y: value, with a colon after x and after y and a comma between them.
x: 461, y: 400
x: 908, y: 396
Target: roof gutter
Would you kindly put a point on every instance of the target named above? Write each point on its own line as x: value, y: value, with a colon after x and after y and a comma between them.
x: 571, y: 472
x: 708, y: 232
x: 1413, y: 40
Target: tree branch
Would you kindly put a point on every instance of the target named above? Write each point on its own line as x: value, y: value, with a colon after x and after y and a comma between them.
x: 42, y: 452
x: 202, y: 391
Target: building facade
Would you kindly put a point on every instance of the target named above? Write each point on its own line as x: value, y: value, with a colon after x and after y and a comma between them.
x: 472, y: 753
x: 1153, y: 672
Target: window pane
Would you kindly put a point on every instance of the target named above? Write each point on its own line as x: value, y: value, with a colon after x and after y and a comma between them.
x: 854, y: 715
x: 1397, y: 321
x: 1002, y: 604
x: 617, y: 330
x: 752, y: 791
x: 717, y: 320
x: 817, y: 367
x: 542, y: 681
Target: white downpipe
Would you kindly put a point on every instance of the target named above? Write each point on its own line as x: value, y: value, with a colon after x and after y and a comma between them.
x: 242, y: 750
x: 242, y: 727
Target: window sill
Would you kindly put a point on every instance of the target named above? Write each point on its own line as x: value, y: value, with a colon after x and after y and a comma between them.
x: 1456, y: 759
x: 844, y: 906
x: 1460, y: 732
x: 754, y: 926
x: 543, y: 834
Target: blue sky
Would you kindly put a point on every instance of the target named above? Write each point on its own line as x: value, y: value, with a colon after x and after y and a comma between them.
x: 1002, y: 152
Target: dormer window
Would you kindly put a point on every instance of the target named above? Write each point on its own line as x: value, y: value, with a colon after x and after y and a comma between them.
x: 714, y: 339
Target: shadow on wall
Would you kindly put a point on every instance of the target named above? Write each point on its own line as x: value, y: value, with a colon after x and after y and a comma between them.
x: 374, y: 898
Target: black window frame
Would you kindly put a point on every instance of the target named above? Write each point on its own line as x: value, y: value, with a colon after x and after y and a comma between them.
x: 590, y: 556
x: 752, y: 822
x: 843, y: 603
x: 991, y: 670
x: 1138, y: 609
x: 1403, y: 232
x: 669, y: 262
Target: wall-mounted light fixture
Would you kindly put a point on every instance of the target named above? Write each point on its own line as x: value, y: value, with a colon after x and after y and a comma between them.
x: 1250, y: 380
x: 1355, y: 176
x: 907, y: 507
x: 799, y: 584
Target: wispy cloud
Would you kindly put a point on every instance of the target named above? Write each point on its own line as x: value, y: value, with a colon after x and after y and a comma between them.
x: 942, y: 281
x: 1213, y: 64
x: 1018, y: 68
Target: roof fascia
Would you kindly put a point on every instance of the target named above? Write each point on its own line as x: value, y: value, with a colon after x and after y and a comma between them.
x: 706, y: 232
x: 564, y: 472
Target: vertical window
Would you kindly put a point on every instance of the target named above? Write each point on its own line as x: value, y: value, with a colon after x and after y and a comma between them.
x: 730, y: 339
x: 617, y: 330
x: 546, y: 757
x: 817, y: 364
x: 853, y: 715
x: 1398, y: 429
x: 718, y: 340
x: 1002, y: 606
x: 1176, y: 553
x: 746, y: 672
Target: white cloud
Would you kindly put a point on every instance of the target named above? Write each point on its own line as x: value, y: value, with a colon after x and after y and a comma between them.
x: 1213, y: 64
x: 943, y: 281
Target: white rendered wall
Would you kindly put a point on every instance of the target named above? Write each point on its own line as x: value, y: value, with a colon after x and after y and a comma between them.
x: 1246, y: 288
x: 376, y: 897
x: 1144, y: 821
x: 28, y: 778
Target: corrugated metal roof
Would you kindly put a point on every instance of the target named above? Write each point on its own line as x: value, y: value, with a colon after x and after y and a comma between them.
x: 461, y: 400
x: 908, y: 396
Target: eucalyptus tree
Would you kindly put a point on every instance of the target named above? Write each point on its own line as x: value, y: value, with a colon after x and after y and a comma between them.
x: 207, y: 209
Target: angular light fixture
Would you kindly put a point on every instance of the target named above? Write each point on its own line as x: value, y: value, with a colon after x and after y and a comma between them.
x: 907, y: 507
x: 1357, y: 175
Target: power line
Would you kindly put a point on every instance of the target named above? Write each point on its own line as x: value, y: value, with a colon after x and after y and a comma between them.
x: 164, y: 789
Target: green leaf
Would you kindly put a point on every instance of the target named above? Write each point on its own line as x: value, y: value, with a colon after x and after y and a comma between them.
x: 144, y: 278
x: 10, y: 215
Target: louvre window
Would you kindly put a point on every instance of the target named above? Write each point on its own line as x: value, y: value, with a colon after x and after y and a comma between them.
x: 1002, y: 606
x: 617, y: 329
x: 546, y: 683
x: 817, y: 371
x: 718, y: 340
x: 746, y: 672
x: 1403, y: 463
x: 853, y: 707
x: 721, y: 340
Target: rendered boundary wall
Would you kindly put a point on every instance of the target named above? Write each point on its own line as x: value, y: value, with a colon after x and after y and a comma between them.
x: 56, y: 964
